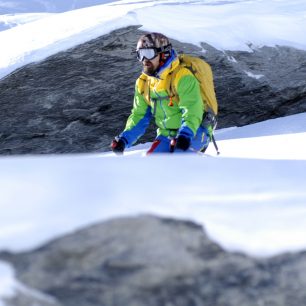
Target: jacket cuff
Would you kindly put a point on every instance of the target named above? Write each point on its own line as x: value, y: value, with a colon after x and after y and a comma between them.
x: 186, y: 131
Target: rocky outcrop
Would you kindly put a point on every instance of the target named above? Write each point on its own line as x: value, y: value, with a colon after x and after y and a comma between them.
x: 154, y: 261
x: 78, y: 100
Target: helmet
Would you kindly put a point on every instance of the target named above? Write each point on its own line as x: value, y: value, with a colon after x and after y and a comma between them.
x: 149, y: 45
x: 154, y: 40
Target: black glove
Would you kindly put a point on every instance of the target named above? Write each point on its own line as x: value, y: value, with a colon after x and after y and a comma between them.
x: 182, y: 142
x: 118, y: 145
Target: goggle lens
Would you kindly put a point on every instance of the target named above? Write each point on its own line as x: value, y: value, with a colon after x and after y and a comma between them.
x: 146, y: 53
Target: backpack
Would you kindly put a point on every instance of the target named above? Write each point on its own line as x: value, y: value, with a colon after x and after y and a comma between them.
x: 203, y: 73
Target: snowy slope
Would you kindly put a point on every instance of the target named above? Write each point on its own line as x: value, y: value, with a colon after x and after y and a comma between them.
x: 227, y: 195
x: 18, y: 12
x: 49, y: 6
x: 254, y: 205
x: 226, y: 25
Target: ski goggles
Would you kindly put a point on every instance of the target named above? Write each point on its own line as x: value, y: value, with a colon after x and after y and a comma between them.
x: 148, y: 53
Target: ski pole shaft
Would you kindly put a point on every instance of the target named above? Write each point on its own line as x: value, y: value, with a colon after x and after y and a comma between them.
x: 215, y: 144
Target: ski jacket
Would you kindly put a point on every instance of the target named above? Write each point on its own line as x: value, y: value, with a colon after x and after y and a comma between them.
x: 171, y: 118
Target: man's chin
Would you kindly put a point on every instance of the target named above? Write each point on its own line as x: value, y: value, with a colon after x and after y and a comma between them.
x: 148, y: 70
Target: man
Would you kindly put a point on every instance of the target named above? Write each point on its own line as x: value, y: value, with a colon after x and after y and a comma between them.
x: 179, y: 124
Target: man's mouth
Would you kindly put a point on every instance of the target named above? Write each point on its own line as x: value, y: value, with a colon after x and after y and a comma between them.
x: 147, y: 63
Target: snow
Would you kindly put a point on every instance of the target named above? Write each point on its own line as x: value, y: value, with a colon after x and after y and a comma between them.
x: 9, y: 285
x: 226, y: 25
x: 250, y: 198
x: 253, y: 189
x: 52, y: 6
x: 254, y: 76
x: 7, y: 282
x: 8, y: 21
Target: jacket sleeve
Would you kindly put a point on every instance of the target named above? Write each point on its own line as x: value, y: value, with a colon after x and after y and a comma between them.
x: 138, y: 120
x: 190, y: 103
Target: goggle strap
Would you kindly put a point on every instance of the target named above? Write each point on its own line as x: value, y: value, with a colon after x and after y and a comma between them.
x: 164, y: 49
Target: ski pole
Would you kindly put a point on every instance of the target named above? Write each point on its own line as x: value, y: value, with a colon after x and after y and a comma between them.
x: 215, y: 144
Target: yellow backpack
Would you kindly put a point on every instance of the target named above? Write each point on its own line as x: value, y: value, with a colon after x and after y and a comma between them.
x: 203, y: 73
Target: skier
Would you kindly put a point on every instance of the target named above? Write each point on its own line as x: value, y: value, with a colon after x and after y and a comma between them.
x: 181, y: 127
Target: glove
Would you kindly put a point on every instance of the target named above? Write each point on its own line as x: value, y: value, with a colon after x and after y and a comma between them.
x: 182, y: 142
x: 118, y: 146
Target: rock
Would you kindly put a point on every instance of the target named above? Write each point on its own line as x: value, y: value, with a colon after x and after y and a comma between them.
x: 153, y: 261
x: 77, y: 100
x: 264, y: 84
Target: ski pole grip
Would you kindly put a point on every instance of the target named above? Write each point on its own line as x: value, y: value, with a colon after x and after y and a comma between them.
x: 172, y: 145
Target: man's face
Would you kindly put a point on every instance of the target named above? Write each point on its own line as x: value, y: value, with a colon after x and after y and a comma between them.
x: 150, y: 66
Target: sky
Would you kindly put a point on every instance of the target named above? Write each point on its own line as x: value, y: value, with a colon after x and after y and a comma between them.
x: 250, y: 198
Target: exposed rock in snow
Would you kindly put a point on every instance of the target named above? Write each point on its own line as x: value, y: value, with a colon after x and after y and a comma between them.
x: 148, y: 260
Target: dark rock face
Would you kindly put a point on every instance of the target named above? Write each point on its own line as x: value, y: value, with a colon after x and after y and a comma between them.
x: 75, y: 101
x: 267, y: 83
x: 78, y: 100
x: 156, y: 261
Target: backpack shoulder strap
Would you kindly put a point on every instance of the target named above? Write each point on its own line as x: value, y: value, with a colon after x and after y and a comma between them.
x: 171, y: 89
x: 143, y: 87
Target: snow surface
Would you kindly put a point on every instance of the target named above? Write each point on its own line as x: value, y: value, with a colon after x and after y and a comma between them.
x: 251, y: 198
x: 51, y: 6
x: 9, y: 285
x: 226, y: 25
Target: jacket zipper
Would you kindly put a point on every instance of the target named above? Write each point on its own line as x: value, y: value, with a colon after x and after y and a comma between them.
x: 162, y: 108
